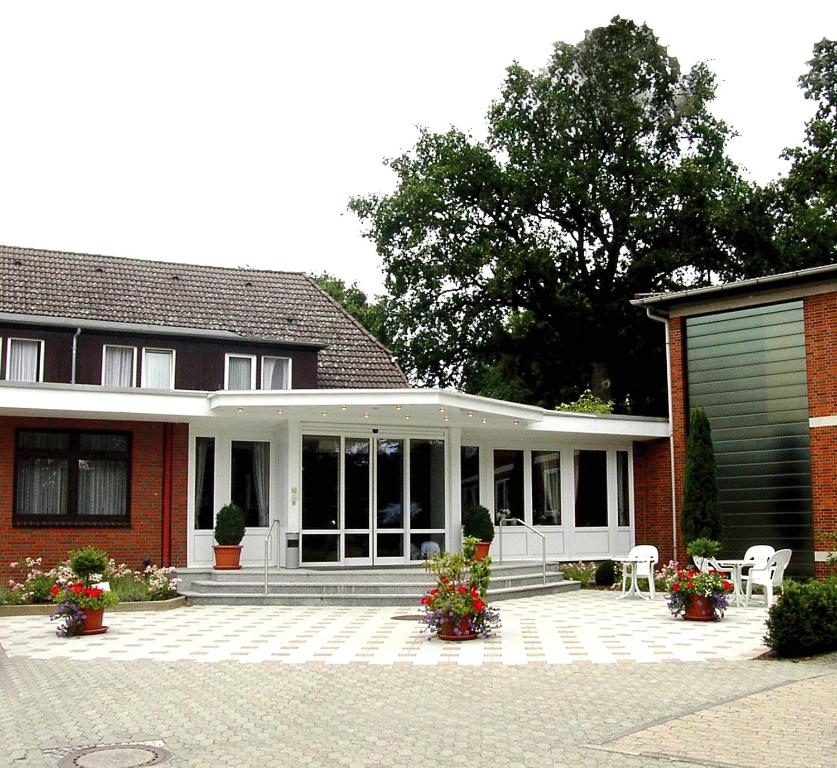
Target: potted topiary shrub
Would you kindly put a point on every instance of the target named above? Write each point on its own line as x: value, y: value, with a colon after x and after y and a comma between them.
x: 476, y: 522
x: 701, y: 548
x: 229, y: 531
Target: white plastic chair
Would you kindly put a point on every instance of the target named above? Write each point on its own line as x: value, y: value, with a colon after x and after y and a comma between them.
x: 647, y: 557
x: 770, y: 577
x: 760, y: 554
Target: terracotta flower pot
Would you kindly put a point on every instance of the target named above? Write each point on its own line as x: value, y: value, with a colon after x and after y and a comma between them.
x: 448, y: 631
x: 92, y: 624
x: 700, y: 608
x: 481, y: 551
x: 227, y: 557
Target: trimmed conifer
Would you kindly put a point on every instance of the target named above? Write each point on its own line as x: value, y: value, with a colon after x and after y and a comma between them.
x: 700, y: 516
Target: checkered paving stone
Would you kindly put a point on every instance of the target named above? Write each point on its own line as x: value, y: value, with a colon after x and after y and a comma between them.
x: 570, y: 628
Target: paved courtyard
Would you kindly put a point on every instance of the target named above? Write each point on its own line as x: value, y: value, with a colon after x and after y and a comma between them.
x: 578, y: 679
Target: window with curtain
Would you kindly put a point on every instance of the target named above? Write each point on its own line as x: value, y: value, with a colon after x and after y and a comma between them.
x: 276, y: 373
x: 508, y: 483
x: 24, y: 360
x: 118, y: 366
x: 623, y: 494
x: 239, y: 372
x: 250, y: 481
x: 158, y: 368
x: 546, y: 487
x: 72, y: 477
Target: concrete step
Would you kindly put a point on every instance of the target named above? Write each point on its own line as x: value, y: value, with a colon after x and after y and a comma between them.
x: 416, y: 587
x: 394, y: 598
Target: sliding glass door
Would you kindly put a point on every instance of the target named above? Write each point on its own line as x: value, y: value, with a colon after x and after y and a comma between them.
x: 355, y: 495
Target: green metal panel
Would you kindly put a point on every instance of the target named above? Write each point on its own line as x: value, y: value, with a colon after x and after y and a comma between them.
x: 746, y: 369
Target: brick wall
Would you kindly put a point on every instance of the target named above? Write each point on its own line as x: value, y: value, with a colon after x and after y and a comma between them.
x: 821, y: 359
x: 131, y: 545
x: 680, y: 419
x: 652, y: 496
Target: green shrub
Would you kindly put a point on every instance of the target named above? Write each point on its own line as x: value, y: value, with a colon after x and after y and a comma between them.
x: 87, y: 561
x: 476, y: 522
x: 129, y: 589
x: 703, y: 547
x: 700, y: 516
x: 229, y: 525
x: 804, y: 620
x: 606, y: 573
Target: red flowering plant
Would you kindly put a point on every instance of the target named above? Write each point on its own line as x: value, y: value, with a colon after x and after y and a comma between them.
x: 457, y: 606
x: 73, y: 600
x: 706, y: 584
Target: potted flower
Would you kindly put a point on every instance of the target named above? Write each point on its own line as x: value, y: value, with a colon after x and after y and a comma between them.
x: 476, y: 523
x: 229, y: 531
x: 456, y: 608
x: 701, y: 548
x: 80, y: 608
x: 699, y: 596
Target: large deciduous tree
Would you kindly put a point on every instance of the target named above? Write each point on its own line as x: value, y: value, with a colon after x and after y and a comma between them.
x: 511, y: 260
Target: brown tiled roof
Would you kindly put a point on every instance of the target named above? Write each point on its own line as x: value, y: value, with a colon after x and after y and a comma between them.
x: 277, y: 306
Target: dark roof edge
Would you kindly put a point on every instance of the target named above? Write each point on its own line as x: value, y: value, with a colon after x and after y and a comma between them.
x: 800, y: 276
x: 147, y: 328
x: 359, y: 325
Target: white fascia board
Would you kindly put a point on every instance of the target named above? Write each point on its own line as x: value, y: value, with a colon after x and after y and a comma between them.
x: 441, y: 398
x: 62, y: 400
x: 822, y: 421
x: 636, y: 427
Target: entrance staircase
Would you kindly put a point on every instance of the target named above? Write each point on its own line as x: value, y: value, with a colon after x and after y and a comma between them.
x: 382, y: 586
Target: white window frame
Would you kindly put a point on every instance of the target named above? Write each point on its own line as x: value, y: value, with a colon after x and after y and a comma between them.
x: 105, y: 347
x: 40, y: 342
x: 158, y: 349
x: 290, y: 371
x: 251, y: 358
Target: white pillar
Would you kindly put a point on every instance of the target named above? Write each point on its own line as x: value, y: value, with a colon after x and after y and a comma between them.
x: 454, y: 517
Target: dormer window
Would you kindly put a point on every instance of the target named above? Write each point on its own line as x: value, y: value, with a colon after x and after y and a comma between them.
x: 241, y: 372
x: 158, y: 368
x: 25, y: 360
x: 119, y: 366
x: 276, y: 373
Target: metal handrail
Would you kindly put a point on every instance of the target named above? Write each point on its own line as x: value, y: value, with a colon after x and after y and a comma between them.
x: 266, y: 550
x: 503, y: 520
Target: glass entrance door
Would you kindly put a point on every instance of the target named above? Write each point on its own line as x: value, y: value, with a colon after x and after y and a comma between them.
x: 389, y: 501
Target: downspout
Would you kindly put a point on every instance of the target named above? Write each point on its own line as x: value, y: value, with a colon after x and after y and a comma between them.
x: 166, y: 521
x: 75, y: 350
x: 664, y: 320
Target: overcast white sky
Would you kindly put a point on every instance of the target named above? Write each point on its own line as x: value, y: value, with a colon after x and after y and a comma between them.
x: 234, y: 133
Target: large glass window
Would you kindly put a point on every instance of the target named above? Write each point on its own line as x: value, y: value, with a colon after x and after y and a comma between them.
x: 320, y: 483
x: 240, y: 372
x: 158, y: 368
x: 590, y: 469
x: 390, y: 483
x: 71, y: 477
x: 250, y: 481
x: 427, y: 484
x: 118, y: 366
x: 356, y: 486
x: 276, y: 373
x: 24, y: 360
x: 204, y: 483
x: 470, y: 476
x: 546, y: 487
x: 623, y: 497
x: 508, y: 483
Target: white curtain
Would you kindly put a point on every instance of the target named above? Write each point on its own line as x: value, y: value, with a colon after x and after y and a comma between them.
x: 41, y: 487
x: 275, y: 372
x: 552, y: 489
x: 261, y: 475
x: 239, y: 374
x: 157, y: 369
x: 201, y: 451
x: 24, y: 360
x: 102, y: 487
x: 119, y: 367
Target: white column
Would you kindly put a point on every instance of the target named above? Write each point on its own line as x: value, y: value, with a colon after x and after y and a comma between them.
x: 454, y: 462
x: 293, y: 486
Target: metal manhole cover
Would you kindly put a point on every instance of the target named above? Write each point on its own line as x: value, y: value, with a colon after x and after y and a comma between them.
x: 116, y: 756
x: 407, y: 617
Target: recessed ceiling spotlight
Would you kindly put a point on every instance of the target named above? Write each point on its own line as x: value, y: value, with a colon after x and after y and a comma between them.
x: 516, y: 422
x: 240, y: 410
x: 365, y: 415
x: 470, y: 414
x: 441, y: 410
x: 279, y: 411
x: 407, y: 417
x: 484, y: 420
x: 324, y: 413
x: 343, y: 408
x: 446, y: 418
x: 397, y: 407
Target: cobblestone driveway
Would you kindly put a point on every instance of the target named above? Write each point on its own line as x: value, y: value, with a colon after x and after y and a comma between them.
x: 512, y: 715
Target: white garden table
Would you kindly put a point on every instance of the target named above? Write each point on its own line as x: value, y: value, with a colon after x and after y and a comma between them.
x: 632, y: 563
x: 736, y: 568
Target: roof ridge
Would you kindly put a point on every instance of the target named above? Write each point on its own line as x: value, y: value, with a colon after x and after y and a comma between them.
x: 134, y: 260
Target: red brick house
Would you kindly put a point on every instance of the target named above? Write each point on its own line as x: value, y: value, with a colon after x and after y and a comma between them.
x: 137, y: 397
